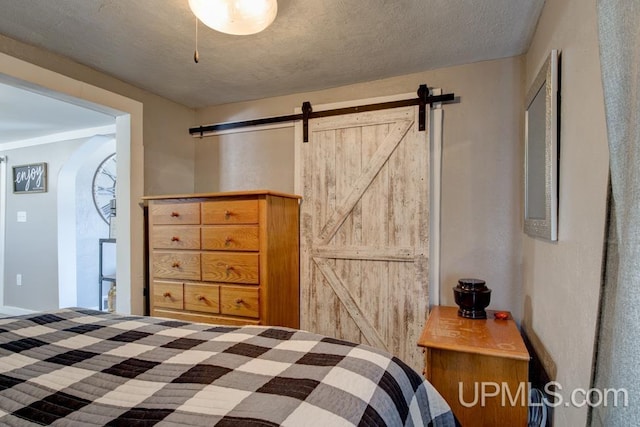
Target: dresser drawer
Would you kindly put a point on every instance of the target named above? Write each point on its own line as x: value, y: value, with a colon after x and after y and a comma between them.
x: 230, y: 237
x: 239, y: 301
x: 230, y: 267
x: 176, y: 265
x: 168, y: 294
x: 230, y: 212
x: 176, y: 237
x: 175, y: 213
x: 202, y: 297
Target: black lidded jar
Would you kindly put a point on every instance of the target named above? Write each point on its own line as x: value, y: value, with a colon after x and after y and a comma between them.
x: 472, y: 296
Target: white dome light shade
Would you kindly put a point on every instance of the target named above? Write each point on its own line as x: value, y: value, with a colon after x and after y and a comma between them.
x: 239, y: 17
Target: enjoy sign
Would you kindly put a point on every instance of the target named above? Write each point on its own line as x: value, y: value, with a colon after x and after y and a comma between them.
x: 30, y: 178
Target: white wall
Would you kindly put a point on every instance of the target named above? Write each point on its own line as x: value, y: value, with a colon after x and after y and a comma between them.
x: 63, y: 222
x: 562, y: 280
x: 32, y: 245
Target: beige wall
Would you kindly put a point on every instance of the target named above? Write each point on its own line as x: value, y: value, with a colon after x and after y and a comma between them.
x: 481, y: 156
x: 161, y: 151
x: 481, y: 177
x: 165, y: 127
x: 128, y: 118
x: 562, y: 280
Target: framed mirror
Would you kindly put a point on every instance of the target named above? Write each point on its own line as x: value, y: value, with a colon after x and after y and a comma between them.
x: 542, y: 124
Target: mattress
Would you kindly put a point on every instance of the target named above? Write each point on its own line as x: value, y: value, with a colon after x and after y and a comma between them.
x: 85, y: 367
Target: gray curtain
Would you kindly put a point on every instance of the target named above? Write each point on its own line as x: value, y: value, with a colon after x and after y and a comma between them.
x: 618, y: 348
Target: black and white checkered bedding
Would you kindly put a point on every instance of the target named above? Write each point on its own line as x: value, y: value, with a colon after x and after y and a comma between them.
x: 83, y: 367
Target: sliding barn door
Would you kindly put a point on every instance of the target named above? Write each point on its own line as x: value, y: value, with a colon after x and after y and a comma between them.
x: 365, y: 229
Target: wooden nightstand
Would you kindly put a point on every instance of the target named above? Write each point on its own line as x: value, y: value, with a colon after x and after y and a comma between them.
x: 487, y: 357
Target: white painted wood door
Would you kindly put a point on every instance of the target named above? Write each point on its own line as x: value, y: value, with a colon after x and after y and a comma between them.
x: 365, y: 229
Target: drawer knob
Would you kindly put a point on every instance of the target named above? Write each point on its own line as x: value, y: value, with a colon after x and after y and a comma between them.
x: 227, y: 241
x: 227, y: 214
x: 167, y: 295
x: 175, y: 214
x: 239, y: 301
x: 200, y: 297
x: 176, y: 264
x: 228, y: 268
x: 175, y: 239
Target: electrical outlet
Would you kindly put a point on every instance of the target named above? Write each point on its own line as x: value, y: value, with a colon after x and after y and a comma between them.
x: 19, y: 279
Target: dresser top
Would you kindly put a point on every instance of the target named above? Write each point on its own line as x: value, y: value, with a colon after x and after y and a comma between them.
x: 223, y: 194
x: 446, y: 330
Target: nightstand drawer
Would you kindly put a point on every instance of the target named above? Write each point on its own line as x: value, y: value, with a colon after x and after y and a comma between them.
x: 168, y: 294
x: 239, y: 301
x: 176, y: 265
x: 176, y: 237
x: 175, y: 213
x: 202, y: 297
x: 230, y: 212
x: 230, y: 267
x: 231, y: 238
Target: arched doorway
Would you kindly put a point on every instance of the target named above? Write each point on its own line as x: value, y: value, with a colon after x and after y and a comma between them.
x: 79, y: 225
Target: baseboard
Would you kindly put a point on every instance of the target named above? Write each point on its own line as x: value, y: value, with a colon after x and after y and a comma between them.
x: 14, y: 311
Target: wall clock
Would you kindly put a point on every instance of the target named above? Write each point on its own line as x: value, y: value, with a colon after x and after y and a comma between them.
x: 104, y: 187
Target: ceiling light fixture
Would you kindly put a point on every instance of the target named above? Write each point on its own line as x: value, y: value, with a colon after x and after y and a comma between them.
x: 239, y: 17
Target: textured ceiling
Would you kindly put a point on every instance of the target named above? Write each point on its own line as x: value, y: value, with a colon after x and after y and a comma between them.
x: 312, y: 44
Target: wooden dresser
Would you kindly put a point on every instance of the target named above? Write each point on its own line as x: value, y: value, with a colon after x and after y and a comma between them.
x: 226, y: 258
x: 480, y: 367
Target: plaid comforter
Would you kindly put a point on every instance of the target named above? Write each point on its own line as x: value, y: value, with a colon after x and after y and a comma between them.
x: 83, y: 367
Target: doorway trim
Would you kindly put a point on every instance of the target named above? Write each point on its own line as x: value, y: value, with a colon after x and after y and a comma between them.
x: 3, y: 210
x: 129, y: 135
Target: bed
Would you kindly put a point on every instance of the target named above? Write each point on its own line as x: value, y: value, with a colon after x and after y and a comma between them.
x: 85, y: 367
